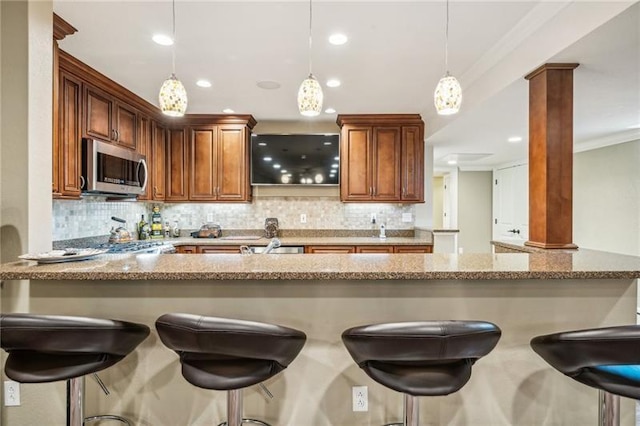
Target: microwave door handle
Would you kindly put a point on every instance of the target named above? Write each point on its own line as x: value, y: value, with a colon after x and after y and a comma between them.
x: 143, y: 163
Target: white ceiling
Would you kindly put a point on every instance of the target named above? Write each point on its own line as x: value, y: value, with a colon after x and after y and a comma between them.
x: 391, y: 64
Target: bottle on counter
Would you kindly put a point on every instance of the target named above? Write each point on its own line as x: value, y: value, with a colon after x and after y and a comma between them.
x: 156, y: 223
x: 167, y: 230
x: 143, y: 229
x: 175, y: 231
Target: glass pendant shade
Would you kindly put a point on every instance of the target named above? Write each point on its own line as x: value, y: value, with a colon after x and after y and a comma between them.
x: 173, y: 97
x: 310, y: 97
x: 448, y: 95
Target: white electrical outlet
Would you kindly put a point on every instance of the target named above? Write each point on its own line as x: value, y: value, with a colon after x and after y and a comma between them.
x: 209, y: 217
x: 303, y: 218
x: 407, y: 217
x: 360, y: 398
x: 11, y: 393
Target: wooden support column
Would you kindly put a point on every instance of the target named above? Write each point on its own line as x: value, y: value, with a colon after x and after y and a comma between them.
x: 551, y: 156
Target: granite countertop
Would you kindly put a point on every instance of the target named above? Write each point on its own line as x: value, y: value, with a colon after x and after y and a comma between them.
x: 518, y: 245
x: 301, y: 241
x: 583, y: 264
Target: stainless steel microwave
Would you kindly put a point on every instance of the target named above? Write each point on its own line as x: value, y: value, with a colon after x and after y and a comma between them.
x: 111, y: 169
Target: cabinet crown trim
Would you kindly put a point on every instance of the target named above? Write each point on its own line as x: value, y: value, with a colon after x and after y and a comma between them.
x: 380, y: 119
x: 61, y: 28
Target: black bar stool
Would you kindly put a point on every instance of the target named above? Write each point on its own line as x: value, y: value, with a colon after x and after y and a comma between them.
x: 229, y: 354
x: 48, y: 348
x: 425, y: 358
x: 607, y: 359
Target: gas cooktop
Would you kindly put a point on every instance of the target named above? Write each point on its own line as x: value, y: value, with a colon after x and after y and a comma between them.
x: 138, y: 247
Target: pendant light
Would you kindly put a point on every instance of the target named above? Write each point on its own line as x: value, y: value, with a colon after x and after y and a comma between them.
x: 173, y: 96
x: 310, y: 92
x: 448, y: 95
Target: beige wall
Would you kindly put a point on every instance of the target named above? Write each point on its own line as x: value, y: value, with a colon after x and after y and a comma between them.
x: 606, y: 198
x: 25, y: 164
x: 474, y: 211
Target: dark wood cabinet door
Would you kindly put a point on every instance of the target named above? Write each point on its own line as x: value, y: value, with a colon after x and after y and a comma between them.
x: 126, y: 126
x: 219, y: 249
x: 413, y: 249
x: 233, y: 167
x: 158, y: 161
x: 329, y: 249
x: 355, y: 155
x: 374, y: 249
x: 187, y: 249
x: 202, y: 179
x: 177, y: 166
x: 412, y: 169
x: 144, y: 148
x: 68, y: 167
x: 386, y: 163
x: 98, y: 111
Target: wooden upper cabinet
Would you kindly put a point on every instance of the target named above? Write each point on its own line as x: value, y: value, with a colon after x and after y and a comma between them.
x: 355, y: 175
x: 219, y: 163
x: 126, y: 126
x: 177, y: 166
x: 203, y: 176
x: 98, y: 113
x: 233, y: 164
x: 158, y: 161
x: 412, y: 157
x: 109, y: 119
x: 382, y: 158
x: 385, y: 168
x: 68, y: 167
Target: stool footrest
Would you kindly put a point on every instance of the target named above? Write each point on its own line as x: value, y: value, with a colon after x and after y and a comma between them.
x: 106, y: 417
x: 249, y: 421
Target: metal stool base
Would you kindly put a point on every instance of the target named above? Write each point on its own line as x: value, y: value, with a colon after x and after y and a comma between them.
x: 106, y: 417
x: 608, y: 409
x: 411, y: 412
x: 249, y: 421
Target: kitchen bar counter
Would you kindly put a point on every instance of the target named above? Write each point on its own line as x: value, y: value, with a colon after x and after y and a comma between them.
x: 583, y: 264
x: 323, y: 294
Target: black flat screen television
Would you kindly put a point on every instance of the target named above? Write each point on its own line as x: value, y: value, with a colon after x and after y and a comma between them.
x: 309, y: 159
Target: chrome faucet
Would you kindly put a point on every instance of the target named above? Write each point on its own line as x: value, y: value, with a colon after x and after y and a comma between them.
x: 273, y: 244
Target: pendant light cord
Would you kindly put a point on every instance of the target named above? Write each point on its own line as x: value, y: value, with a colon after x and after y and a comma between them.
x: 310, y: 33
x: 446, y: 42
x: 173, y: 50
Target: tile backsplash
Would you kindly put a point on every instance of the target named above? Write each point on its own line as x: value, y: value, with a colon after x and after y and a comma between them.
x: 91, y: 216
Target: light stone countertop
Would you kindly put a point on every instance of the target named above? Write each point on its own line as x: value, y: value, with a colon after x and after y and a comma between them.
x: 583, y: 264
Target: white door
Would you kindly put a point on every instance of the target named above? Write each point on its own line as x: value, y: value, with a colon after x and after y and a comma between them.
x: 511, y: 203
x: 446, y: 202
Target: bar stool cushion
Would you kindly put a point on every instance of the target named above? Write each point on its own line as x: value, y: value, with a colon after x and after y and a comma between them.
x: 425, y: 358
x: 603, y: 358
x: 227, y: 354
x: 48, y: 348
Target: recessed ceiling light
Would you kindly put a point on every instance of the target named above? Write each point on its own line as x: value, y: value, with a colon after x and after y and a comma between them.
x: 338, y: 39
x: 515, y: 139
x: 163, y: 40
x: 283, y: 171
x: 268, y: 85
x: 267, y: 158
x: 452, y: 162
x: 228, y: 111
x: 262, y: 143
x: 334, y: 166
x: 327, y: 143
x: 203, y: 83
x: 333, y: 83
x: 330, y: 111
x: 336, y: 158
x: 276, y: 166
